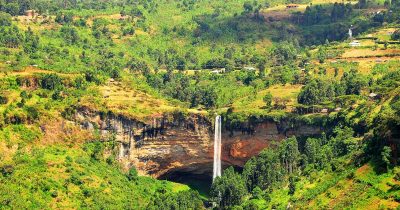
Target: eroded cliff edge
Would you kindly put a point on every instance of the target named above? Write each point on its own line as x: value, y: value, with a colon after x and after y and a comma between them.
x: 184, y: 142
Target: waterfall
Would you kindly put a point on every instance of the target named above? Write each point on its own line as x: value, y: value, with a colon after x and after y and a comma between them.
x: 217, y: 148
x: 351, y: 32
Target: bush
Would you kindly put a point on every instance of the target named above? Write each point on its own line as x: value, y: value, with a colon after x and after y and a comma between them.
x: 396, y: 35
x: 3, y: 100
x: 7, y: 170
x: 5, y: 19
x: 132, y: 174
x: 268, y: 100
x: 50, y: 81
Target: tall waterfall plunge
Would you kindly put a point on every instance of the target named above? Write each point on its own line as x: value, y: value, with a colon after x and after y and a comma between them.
x: 217, y: 148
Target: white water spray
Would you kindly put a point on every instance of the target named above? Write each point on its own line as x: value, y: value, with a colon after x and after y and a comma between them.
x: 217, y: 148
x: 351, y: 32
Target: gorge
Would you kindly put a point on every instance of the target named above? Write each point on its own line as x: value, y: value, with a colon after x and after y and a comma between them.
x: 175, y: 143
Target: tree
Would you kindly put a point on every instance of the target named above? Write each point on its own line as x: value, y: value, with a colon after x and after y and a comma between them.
x: 261, y: 68
x: 206, y: 96
x: 396, y: 35
x: 268, y: 100
x: 343, y: 142
x: 257, y: 193
x: 264, y: 170
x: 228, y: 189
x: 289, y: 154
x: 292, y: 185
x: 5, y: 19
x: 336, y: 71
x: 31, y: 44
x: 186, y: 199
x: 132, y: 174
x: 70, y: 34
x: 362, y: 4
x: 51, y: 81
x: 136, y: 65
x: 97, y: 149
x: 284, y: 53
x: 12, y: 8
x: 229, y: 67
x: 386, y: 155
x: 68, y: 18
x: 3, y: 99
x: 321, y: 54
x: 353, y: 82
x: 311, y: 149
x: 317, y: 91
x: 248, y: 7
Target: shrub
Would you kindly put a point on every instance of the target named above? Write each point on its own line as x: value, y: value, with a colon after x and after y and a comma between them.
x: 396, y: 35
x: 3, y: 99
x: 7, y: 170
x: 132, y: 174
x: 268, y: 100
x: 50, y: 81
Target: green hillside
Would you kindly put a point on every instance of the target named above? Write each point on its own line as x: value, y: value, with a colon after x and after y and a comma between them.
x: 249, y: 61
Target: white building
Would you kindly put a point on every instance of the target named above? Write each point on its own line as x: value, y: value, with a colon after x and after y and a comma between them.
x: 355, y: 43
x: 249, y: 68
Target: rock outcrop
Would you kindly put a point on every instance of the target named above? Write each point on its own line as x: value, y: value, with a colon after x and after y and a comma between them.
x: 175, y: 142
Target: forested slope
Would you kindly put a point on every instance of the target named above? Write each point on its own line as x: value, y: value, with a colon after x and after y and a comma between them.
x: 249, y: 61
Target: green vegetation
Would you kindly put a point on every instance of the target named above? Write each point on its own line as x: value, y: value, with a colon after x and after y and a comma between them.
x: 72, y: 177
x: 249, y: 61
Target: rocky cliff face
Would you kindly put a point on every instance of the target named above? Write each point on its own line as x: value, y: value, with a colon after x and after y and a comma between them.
x: 175, y: 142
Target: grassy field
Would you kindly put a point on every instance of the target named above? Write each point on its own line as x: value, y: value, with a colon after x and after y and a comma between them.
x: 257, y: 105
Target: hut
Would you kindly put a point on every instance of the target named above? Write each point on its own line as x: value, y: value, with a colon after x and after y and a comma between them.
x: 324, y: 111
x: 124, y: 17
x: 373, y: 96
x: 30, y: 13
x: 218, y: 71
x: 355, y: 43
x: 249, y: 68
x: 292, y: 6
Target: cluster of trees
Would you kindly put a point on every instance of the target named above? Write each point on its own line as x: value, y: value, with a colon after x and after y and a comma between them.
x: 187, y: 5
x: 253, y: 8
x: 180, y: 86
x: 319, y: 90
x: 181, y: 200
x: 12, y: 37
x: 279, y: 166
x: 18, y: 7
x: 285, y: 52
x: 326, y: 22
x: 229, y: 189
x: 322, y: 15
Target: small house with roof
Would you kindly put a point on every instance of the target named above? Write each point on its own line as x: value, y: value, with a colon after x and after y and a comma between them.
x: 355, y: 43
x: 249, y: 68
x: 292, y: 6
x: 30, y: 13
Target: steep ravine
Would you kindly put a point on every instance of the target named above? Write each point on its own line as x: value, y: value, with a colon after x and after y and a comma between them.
x: 179, y: 143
